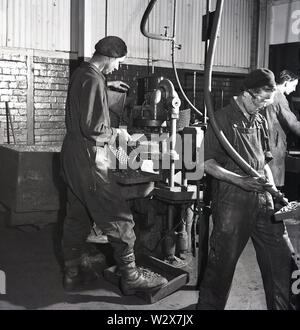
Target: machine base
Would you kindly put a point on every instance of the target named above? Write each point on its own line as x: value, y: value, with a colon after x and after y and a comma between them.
x: 177, y: 194
x: 176, y: 277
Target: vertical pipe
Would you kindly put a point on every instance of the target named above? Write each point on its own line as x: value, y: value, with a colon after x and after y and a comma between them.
x: 106, y: 19
x: 174, y: 19
x: 172, y: 148
x: 206, y: 25
x: 222, y: 99
x: 148, y: 56
x: 194, y: 87
x: 149, y: 50
x: 205, y: 51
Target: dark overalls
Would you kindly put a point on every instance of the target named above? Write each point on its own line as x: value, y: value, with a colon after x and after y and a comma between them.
x: 238, y: 215
x: 85, y: 163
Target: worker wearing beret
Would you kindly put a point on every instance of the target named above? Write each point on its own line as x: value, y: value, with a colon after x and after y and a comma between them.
x: 86, y: 160
x: 241, y: 206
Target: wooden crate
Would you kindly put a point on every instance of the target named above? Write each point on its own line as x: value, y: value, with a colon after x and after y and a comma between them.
x: 32, y: 189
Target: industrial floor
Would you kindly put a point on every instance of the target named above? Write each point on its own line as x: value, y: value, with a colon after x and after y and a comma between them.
x: 33, y: 280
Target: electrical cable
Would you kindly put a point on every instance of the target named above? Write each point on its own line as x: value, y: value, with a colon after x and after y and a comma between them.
x: 166, y: 38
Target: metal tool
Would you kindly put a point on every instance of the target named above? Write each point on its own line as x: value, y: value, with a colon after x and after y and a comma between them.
x: 290, y: 211
x: 9, y: 124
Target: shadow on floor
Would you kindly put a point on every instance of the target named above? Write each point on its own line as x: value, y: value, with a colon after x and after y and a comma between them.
x: 32, y: 264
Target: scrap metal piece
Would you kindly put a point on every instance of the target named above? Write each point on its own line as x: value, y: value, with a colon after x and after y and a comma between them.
x: 290, y: 211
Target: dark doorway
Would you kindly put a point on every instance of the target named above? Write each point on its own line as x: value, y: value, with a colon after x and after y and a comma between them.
x: 285, y: 56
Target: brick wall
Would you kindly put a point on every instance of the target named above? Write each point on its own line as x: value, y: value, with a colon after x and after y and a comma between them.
x: 35, y: 88
x: 51, y: 78
x: 13, y: 89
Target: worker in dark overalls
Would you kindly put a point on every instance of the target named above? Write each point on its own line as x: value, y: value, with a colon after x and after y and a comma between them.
x: 241, y: 206
x: 86, y: 160
x: 281, y: 120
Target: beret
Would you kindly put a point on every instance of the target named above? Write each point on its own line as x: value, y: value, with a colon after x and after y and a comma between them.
x: 260, y: 78
x: 111, y: 46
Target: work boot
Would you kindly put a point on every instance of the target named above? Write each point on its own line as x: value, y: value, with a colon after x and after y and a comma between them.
x: 137, y: 279
x: 77, y: 276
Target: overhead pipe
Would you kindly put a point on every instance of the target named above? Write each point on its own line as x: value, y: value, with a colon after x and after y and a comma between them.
x: 179, y: 84
x: 144, y: 21
x: 166, y: 38
x: 174, y: 46
x: 210, y: 109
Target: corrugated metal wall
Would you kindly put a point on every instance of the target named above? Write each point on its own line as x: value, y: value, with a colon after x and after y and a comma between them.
x: 234, y: 45
x: 189, y: 31
x: 46, y: 25
x: 161, y: 16
x: 3, y: 6
x: 98, y: 20
x: 124, y: 18
x: 36, y: 24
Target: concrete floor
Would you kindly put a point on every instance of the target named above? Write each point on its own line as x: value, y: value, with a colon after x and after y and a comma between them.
x: 33, y: 280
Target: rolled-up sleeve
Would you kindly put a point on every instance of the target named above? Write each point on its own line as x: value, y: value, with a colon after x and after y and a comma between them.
x: 212, y: 147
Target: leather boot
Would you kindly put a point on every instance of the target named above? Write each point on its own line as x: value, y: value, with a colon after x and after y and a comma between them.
x: 76, y: 276
x: 137, y: 279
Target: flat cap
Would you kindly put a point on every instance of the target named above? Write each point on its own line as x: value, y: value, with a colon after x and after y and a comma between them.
x: 260, y: 78
x: 111, y: 46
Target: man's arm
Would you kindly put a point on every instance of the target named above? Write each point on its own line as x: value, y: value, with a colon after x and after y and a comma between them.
x: 91, y: 121
x: 279, y: 197
x: 118, y: 85
x: 290, y: 120
x: 269, y: 176
x: 212, y: 167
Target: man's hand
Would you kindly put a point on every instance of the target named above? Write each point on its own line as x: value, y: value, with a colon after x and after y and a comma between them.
x: 256, y: 184
x: 123, y: 134
x: 280, y: 201
x: 248, y: 183
x: 118, y: 85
